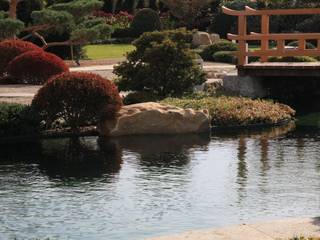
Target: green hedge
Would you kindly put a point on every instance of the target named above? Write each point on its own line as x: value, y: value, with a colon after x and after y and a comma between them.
x: 146, y: 20
x: 18, y: 120
x: 292, y: 59
x: 225, y: 57
x: 222, y: 46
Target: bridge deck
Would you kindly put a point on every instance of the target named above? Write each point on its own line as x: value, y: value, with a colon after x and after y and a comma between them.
x: 278, y: 69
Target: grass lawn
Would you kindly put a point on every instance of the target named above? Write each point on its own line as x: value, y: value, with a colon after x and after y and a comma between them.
x: 95, y: 52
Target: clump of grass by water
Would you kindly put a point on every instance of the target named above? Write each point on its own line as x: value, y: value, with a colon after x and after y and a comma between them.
x: 236, y: 111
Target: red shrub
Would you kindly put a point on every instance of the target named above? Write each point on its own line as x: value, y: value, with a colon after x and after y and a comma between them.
x: 36, y: 67
x: 79, y: 98
x: 10, y: 49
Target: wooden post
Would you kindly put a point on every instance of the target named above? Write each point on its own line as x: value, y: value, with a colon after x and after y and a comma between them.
x: 281, y: 45
x: 302, y: 44
x: 242, y: 29
x: 264, y: 41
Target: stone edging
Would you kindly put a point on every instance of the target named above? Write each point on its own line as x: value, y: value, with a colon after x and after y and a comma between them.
x: 273, y: 230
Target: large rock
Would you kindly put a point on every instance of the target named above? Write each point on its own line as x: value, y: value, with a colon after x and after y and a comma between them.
x: 155, y: 118
x: 201, y: 38
x: 214, y: 37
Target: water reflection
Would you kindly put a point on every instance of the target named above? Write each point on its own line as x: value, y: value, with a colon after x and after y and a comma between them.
x: 80, y: 158
x: 165, y: 183
x: 242, y: 164
x: 160, y: 152
x: 23, y: 152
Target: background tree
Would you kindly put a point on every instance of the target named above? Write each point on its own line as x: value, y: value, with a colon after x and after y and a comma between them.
x: 115, y: 6
x: 186, y: 11
x: 58, y: 17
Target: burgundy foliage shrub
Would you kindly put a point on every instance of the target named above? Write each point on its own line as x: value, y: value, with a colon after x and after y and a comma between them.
x: 79, y: 98
x: 9, y: 49
x: 35, y: 67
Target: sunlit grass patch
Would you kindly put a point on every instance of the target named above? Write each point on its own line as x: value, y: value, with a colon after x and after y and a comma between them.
x: 234, y: 111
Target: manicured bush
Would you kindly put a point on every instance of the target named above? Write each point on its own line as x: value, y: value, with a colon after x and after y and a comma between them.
x: 17, y: 120
x: 222, y: 45
x: 9, y: 49
x: 296, y: 44
x: 139, y: 97
x: 162, y: 64
x: 36, y: 67
x: 146, y: 20
x: 122, y: 33
x: 225, y: 57
x: 292, y: 59
x: 78, y: 98
x: 234, y: 111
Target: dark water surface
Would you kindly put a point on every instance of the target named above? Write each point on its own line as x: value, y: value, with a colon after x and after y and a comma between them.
x: 138, y: 187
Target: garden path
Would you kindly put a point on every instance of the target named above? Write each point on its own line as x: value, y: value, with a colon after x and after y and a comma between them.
x: 24, y: 93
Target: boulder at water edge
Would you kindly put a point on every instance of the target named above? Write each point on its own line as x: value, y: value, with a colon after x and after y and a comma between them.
x: 155, y: 118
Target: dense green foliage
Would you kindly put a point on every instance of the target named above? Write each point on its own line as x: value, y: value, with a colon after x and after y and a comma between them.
x: 59, y: 23
x: 235, y: 111
x: 225, y: 57
x: 77, y: 98
x: 296, y: 44
x: 139, y: 97
x: 162, y: 63
x: 18, y: 120
x: 9, y: 26
x: 130, y: 5
x: 146, y: 20
x: 292, y: 59
x: 223, y: 45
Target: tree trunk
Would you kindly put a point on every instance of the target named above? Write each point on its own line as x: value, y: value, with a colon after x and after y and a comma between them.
x: 114, y: 6
x: 13, y: 9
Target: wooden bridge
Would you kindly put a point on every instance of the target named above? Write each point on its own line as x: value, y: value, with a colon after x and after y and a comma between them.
x: 265, y: 68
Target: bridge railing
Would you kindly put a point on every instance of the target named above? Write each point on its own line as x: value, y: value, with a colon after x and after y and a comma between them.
x: 265, y: 36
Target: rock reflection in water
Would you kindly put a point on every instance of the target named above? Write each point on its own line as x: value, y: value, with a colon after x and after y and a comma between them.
x: 166, y: 151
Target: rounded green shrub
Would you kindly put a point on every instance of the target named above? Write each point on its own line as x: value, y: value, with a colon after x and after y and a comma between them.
x: 225, y: 57
x: 296, y: 44
x: 139, y: 97
x: 17, y: 120
x: 162, y: 64
x: 77, y: 98
x: 292, y: 59
x: 146, y: 20
x: 222, y: 45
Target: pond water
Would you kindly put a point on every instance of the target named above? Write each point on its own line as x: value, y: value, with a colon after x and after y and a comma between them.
x: 137, y: 187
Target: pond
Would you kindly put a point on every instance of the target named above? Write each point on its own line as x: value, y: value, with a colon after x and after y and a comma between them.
x: 138, y: 187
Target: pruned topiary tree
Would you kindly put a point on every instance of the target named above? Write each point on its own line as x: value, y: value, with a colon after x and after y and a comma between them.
x: 162, y: 65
